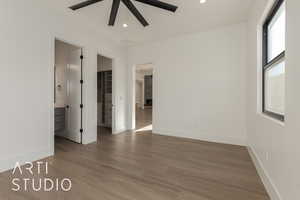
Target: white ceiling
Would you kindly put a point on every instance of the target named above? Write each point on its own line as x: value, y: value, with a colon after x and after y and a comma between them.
x: 190, y: 17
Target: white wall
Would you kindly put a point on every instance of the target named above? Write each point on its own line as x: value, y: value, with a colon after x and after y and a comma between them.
x: 292, y: 135
x: 27, y: 60
x: 139, y: 93
x: 139, y: 76
x: 199, y: 89
x: 139, y: 88
x: 275, y: 145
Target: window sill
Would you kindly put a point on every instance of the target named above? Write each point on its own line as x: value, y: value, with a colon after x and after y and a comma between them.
x: 267, y: 116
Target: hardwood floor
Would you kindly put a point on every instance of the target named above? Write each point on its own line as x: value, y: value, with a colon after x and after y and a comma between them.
x: 144, y: 166
x: 143, y: 118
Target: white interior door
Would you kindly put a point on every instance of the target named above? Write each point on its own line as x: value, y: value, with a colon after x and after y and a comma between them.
x: 74, y: 96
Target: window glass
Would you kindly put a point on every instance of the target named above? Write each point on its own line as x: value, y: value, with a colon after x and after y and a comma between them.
x: 275, y: 88
x: 276, y: 34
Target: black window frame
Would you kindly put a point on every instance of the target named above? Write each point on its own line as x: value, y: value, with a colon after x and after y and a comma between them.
x: 266, y: 63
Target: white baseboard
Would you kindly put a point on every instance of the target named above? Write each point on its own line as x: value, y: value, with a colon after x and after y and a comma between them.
x: 89, y: 139
x: 202, y: 137
x: 269, y: 185
x: 9, y: 163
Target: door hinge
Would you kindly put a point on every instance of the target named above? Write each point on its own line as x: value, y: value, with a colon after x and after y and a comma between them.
x: 81, y: 81
x: 81, y: 105
x: 81, y: 57
x: 81, y: 130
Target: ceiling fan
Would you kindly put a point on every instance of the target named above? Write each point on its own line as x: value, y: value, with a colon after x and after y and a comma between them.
x: 130, y: 6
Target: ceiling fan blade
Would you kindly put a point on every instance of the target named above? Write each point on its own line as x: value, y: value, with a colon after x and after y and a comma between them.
x: 135, y: 12
x: 159, y: 4
x: 84, y: 4
x: 114, y: 12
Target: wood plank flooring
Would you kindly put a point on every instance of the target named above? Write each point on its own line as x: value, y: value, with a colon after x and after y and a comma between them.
x: 145, y: 166
x: 143, y: 117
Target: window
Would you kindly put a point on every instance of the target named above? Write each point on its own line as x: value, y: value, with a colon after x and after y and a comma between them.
x: 274, y: 62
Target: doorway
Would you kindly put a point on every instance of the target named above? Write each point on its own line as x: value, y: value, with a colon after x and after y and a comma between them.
x: 143, y: 97
x: 68, y: 105
x: 105, y: 105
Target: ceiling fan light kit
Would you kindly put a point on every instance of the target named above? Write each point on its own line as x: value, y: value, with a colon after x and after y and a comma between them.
x: 130, y: 6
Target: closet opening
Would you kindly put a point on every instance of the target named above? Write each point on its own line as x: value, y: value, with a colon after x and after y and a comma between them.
x: 105, y: 111
x: 68, y: 89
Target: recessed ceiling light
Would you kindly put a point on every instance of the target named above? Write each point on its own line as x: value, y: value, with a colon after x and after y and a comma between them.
x: 202, y: 1
x: 125, y: 25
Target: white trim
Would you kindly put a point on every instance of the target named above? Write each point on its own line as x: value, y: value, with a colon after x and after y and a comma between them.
x: 202, y: 137
x: 268, y: 183
x: 9, y: 163
x: 272, y: 119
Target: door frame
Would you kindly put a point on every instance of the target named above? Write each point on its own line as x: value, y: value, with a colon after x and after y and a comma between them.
x: 52, y: 88
x: 114, y: 103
